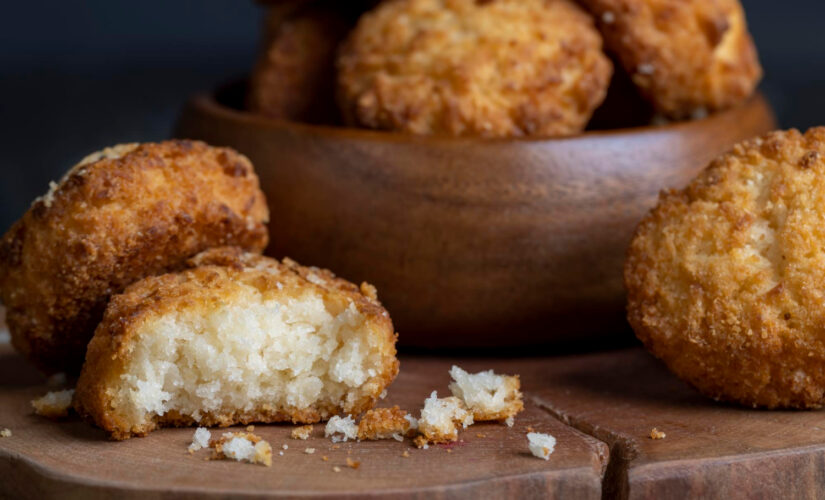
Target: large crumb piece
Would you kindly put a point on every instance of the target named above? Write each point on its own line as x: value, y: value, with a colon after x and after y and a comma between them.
x: 341, y: 429
x: 541, y: 445
x: 656, y: 434
x: 440, y: 419
x: 383, y: 423
x: 302, y: 432
x: 4, y: 433
x: 243, y: 447
x: 54, y: 404
x: 487, y: 395
x: 221, y: 344
x: 200, y: 439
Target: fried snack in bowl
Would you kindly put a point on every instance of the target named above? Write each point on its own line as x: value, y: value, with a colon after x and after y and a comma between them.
x: 688, y: 57
x: 505, y: 68
x: 239, y: 338
x: 119, y: 215
x: 725, y: 278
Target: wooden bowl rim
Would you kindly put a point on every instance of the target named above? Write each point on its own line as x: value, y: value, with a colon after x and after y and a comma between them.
x: 207, y: 103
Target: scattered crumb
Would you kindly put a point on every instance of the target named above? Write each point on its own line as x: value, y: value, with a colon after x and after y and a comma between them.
x: 302, y: 432
x: 285, y: 447
x: 280, y: 453
x: 336, y: 446
x: 541, y: 445
x: 440, y: 419
x: 421, y: 442
x: 200, y: 439
x: 250, y: 428
x: 530, y: 428
x: 341, y: 429
x: 5, y: 433
x: 449, y: 450
x: 487, y: 395
x: 510, y: 421
x: 54, y: 404
x: 406, y: 454
x: 353, y: 464
x: 656, y: 434
x: 383, y: 423
x: 336, y: 469
x: 325, y: 458
x: 242, y: 446
x: 309, y: 451
x: 480, y: 435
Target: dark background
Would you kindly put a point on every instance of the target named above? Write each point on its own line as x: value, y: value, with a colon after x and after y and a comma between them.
x: 78, y: 76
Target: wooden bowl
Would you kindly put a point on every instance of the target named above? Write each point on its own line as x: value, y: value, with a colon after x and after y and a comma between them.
x: 472, y: 242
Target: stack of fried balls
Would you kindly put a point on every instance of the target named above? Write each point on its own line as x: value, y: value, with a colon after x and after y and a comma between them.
x: 500, y: 68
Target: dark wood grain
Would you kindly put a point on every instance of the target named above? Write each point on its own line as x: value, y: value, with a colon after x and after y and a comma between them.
x: 472, y: 242
x: 45, y: 459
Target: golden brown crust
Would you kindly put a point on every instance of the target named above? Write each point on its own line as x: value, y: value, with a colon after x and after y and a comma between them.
x: 294, y: 76
x: 120, y: 215
x: 214, y: 278
x: 686, y: 57
x: 725, y: 277
x: 499, y: 68
x: 383, y: 423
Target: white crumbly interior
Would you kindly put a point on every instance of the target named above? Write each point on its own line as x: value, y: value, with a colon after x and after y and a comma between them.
x: 247, y: 355
x: 239, y: 448
x: 440, y: 416
x: 482, y: 391
x: 341, y: 429
x: 412, y: 420
x: 541, y: 445
x: 200, y: 439
x: 53, y: 403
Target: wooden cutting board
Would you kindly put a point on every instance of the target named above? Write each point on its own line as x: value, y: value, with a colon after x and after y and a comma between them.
x: 600, y: 407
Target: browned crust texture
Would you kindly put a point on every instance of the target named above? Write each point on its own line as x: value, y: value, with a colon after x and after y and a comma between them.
x: 212, y: 280
x: 686, y: 57
x: 121, y: 214
x: 383, y: 423
x: 725, y: 278
x: 500, y: 68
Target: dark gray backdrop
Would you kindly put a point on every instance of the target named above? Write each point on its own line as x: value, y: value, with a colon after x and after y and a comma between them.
x: 77, y: 76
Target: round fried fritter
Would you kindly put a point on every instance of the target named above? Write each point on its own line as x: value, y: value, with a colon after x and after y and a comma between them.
x: 688, y: 57
x: 498, y: 68
x: 119, y: 215
x: 726, y: 278
x: 239, y: 338
x: 294, y: 77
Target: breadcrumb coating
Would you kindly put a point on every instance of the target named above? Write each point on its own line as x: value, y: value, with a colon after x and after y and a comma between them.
x: 383, y: 423
x: 725, y: 278
x: 301, y: 432
x: 120, y: 215
x: 498, y: 68
x: 688, y: 57
x: 239, y: 338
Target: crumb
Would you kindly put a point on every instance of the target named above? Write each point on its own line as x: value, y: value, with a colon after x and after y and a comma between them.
x: 4, y: 433
x: 489, y: 396
x: 449, y: 450
x: 302, y: 432
x: 285, y: 447
x: 480, y: 435
x: 421, y: 442
x: 325, y: 458
x: 384, y: 423
x: 242, y: 446
x: 280, y: 453
x: 440, y: 419
x: 510, y: 421
x: 541, y: 445
x: 530, y: 428
x: 335, y: 446
x: 656, y: 434
x: 341, y: 429
x: 353, y: 464
x: 54, y: 404
x: 309, y: 451
x: 406, y: 454
x: 200, y: 439
x: 250, y: 428
x: 336, y: 469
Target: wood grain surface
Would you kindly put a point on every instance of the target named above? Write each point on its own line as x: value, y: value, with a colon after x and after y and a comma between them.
x: 601, y: 408
x: 465, y: 238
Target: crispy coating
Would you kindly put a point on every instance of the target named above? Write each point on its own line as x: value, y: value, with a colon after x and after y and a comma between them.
x: 498, y: 68
x: 383, y: 423
x: 688, y: 57
x: 294, y: 76
x: 119, y: 215
x: 218, y: 276
x: 725, y: 278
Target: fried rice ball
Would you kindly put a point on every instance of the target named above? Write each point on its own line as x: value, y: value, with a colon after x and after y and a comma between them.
x: 688, y: 57
x: 726, y: 278
x: 499, y: 68
x: 238, y: 338
x: 294, y: 76
x: 119, y: 215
